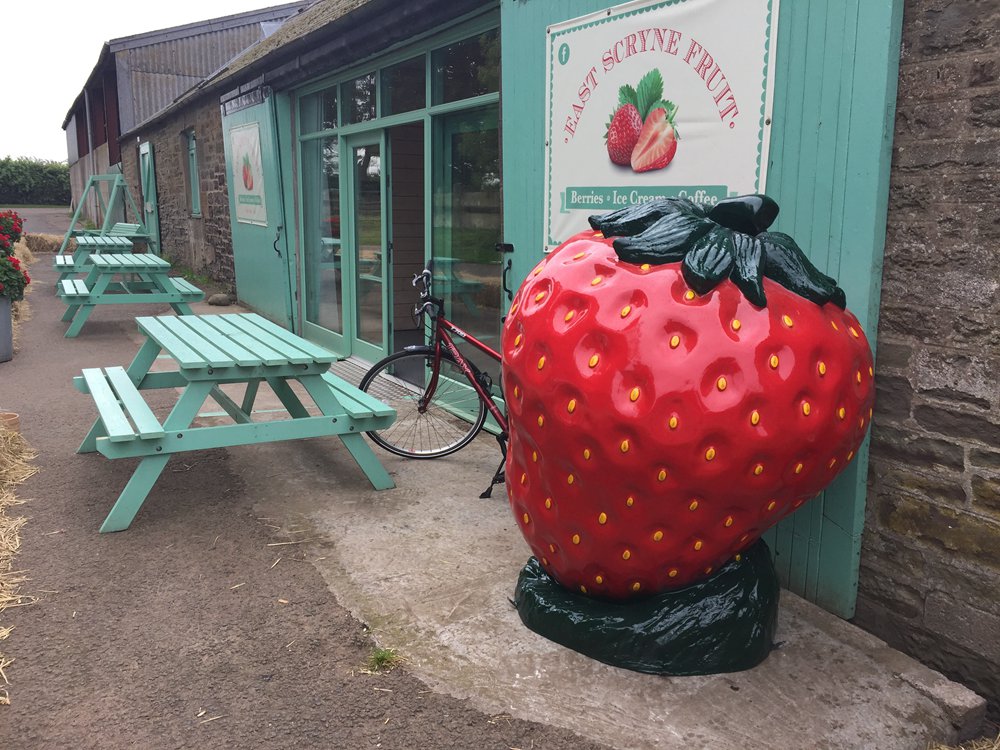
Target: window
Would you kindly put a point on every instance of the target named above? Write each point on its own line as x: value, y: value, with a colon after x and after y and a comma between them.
x: 467, y: 68
x: 192, y: 172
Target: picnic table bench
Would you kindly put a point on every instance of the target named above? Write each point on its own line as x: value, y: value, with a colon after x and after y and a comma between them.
x: 210, y: 351
x: 106, y: 284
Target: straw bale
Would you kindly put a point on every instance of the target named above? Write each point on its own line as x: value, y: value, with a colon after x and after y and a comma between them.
x: 44, y: 243
x: 15, y: 466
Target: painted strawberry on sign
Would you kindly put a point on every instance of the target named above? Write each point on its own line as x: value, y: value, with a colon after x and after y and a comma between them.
x: 641, y: 132
x: 677, y: 381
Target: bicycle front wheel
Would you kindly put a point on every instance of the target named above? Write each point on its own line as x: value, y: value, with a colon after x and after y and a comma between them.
x: 447, y: 423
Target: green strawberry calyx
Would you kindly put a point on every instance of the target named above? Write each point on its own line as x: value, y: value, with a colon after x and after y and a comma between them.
x: 727, y: 240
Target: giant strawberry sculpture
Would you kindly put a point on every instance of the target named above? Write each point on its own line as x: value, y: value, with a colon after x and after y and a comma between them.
x: 677, y: 380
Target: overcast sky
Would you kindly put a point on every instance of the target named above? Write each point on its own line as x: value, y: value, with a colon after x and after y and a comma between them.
x: 49, y: 49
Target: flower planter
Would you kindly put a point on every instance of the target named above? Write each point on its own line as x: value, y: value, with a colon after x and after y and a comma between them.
x: 6, y: 330
x: 10, y: 421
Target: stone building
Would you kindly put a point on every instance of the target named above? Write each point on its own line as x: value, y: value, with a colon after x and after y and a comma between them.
x: 930, y: 564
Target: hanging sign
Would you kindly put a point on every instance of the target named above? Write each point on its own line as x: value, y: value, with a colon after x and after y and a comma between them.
x: 248, y: 174
x: 656, y: 98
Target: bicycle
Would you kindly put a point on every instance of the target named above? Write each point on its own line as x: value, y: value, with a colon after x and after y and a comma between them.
x: 441, y: 398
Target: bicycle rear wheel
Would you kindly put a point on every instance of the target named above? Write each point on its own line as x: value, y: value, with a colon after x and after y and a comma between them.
x: 449, y: 421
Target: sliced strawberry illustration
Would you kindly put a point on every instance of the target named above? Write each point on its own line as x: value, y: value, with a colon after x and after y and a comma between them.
x: 623, y: 133
x: 657, y: 142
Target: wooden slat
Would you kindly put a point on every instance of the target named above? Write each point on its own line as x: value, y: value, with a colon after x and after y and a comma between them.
x: 204, y: 346
x: 239, y: 354
x: 265, y: 354
x: 358, y: 403
x: 183, y: 285
x: 265, y: 334
x: 186, y: 356
x: 112, y: 417
x: 318, y: 353
x: 146, y: 423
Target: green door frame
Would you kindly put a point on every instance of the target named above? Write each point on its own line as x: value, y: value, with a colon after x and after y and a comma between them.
x: 349, y: 208
x: 150, y: 211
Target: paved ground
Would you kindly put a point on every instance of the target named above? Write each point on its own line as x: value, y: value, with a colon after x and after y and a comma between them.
x: 142, y: 637
x: 45, y: 220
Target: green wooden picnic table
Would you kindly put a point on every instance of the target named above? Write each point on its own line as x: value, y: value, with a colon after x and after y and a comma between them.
x: 124, y: 278
x: 70, y: 265
x: 210, y: 351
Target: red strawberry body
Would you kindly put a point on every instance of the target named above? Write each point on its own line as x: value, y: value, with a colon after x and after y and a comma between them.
x: 656, y: 144
x: 623, y: 133
x: 655, y: 433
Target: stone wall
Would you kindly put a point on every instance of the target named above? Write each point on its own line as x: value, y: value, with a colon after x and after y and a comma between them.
x: 930, y: 567
x: 202, y: 244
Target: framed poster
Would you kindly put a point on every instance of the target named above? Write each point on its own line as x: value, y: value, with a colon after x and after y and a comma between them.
x: 656, y: 98
x: 248, y: 174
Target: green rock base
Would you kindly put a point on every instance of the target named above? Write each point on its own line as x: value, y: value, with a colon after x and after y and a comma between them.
x: 724, y: 623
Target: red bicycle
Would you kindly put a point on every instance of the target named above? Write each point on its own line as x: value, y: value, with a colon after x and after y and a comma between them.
x: 441, y: 397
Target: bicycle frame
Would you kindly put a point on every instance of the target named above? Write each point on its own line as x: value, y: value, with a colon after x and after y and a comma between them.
x: 443, y: 329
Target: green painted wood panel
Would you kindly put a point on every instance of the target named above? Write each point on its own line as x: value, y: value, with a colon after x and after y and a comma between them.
x: 835, y: 86
x: 261, y: 253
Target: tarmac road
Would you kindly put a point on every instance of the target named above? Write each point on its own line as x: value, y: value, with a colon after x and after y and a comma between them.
x: 44, y: 220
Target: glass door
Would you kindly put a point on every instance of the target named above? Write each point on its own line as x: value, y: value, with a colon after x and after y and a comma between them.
x: 468, y: 223
x: 368, y: 244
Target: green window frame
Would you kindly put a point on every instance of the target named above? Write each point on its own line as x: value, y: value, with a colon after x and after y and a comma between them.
x: 194, y: 180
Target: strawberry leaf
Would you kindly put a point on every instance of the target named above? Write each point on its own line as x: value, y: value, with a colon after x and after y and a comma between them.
x: 650, y: 92
x: 628, y: 95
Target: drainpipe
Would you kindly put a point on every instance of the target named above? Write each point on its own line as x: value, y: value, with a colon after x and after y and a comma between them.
x: 91, y: 169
